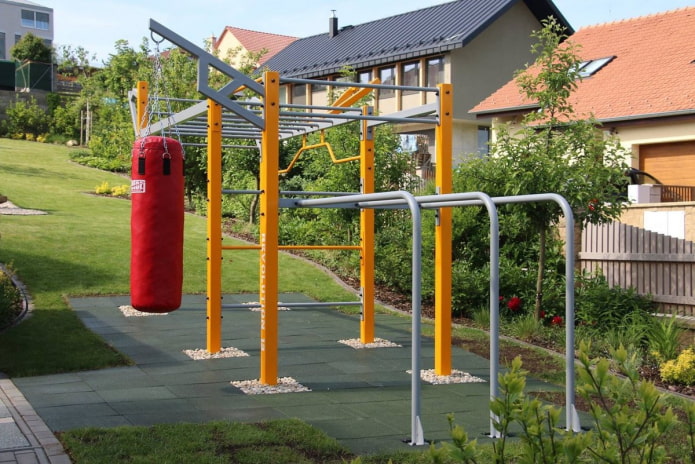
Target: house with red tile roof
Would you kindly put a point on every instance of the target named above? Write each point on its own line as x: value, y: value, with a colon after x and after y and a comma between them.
x: 639, y: 83
x: 235, y: 43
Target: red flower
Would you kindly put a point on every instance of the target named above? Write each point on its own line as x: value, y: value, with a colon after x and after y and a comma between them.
x: 542, y: 314
x: 556, y: 320
x: 514, y: 304
x: 593, y: 204
x: 501, y: 299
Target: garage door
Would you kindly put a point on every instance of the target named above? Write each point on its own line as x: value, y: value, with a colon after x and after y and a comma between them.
x: 671, y: 163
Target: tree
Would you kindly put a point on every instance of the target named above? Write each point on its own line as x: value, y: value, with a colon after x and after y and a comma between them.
x: 554, y: 150
x: 32, y: 48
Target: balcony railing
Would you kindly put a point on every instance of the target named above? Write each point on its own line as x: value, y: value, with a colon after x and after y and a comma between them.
x: 673, y: 193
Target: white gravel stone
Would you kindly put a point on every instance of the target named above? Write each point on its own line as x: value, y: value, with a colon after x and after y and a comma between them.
x: 284, y: 385
x: 280, y: 308
x: 229, y: 352
x: 357, y: 344
x: 428, y: 375
x: 129, y: 311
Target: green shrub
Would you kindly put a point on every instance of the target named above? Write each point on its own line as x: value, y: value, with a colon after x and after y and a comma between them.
x: 10, y: 300
x: 600, y: 308
x: 664, y: 339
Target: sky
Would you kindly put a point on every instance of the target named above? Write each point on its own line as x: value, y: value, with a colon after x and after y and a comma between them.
x: 97, y: 25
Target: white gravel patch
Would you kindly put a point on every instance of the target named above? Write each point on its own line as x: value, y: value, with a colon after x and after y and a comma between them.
x: 284, y: 385
x: 229, y: 352
x: 129, y: 311
x: 357, y: 344
x: 11, y: 209
x: 428, y: 375
x: 280, y: 308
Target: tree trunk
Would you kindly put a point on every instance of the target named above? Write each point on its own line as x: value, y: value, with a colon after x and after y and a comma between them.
x: 541, y: 271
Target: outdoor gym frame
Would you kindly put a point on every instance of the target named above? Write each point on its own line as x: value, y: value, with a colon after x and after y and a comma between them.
x: 261, y: 117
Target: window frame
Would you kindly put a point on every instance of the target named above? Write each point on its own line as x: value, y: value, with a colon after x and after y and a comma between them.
x: 390, y: 80
x: 406, y: 75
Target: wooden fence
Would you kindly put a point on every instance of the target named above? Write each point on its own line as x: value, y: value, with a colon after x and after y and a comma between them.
x: 652, y: 263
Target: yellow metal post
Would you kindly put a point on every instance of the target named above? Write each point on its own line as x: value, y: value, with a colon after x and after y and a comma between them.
x: 367, y: 232
x: 214, y: 229
x: 443, y: 235
x: 269, y: 202
x: 141, y: 106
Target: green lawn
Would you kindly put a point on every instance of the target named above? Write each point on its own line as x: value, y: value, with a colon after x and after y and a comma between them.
x: 82, y: 247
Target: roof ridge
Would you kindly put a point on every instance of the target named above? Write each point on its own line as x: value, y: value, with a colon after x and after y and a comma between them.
x: 444, y: 2
x: 258, y: 32
x: 639, y: 18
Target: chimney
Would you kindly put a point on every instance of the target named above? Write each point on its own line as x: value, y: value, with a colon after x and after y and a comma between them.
x: 332, y: 25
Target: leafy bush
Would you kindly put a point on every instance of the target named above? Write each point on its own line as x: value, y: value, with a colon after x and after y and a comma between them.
x: 25, y: 119
x: 680, y: 370
x: 630, y: 420
x: 664, y: 339
x: 10, y: 300
x: 601, y: 308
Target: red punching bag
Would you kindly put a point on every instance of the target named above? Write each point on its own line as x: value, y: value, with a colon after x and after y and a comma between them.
x: 156, y: 225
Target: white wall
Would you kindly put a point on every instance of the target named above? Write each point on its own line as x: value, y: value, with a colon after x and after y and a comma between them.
x: 11, y: 22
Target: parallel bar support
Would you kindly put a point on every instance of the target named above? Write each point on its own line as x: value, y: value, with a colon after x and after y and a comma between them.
x: 214, y: 229
x: 443, y: 236
x: 269, y: 202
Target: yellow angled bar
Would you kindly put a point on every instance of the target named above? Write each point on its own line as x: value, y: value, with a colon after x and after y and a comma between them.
x: 214, y: 229
x: 270, y: 196
x: 352, y: 95
x: 367, y: 233
x: 443, y: 236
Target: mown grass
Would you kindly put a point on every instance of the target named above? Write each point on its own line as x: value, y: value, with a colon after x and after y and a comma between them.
x: 82, y: 247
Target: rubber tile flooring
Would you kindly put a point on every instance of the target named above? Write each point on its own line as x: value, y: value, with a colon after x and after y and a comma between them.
x: 362, y: 397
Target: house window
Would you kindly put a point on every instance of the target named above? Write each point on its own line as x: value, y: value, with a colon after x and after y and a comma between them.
x: 388, y: 77
x: 35, y: 19
x: 364, y: 77
x: 283, y: 94
x: 411, y: 76
x: 435, y: 71
x: 299, y: 94
x: 483, y: 140
x: 17, y: 38
x: 590, y: 67
x: 2, y: 46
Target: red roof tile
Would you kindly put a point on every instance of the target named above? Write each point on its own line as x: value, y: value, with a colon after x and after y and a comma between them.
x: 255, y: 41
x: 653, y: 72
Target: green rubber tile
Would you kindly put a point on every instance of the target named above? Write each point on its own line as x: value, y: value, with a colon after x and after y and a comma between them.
x: 318, y: 412
x: 191, y: 379
x: 246, y: 414
x: 37, y: 390
x: 205, y: 390
x: 166, y: 417
x: 357, y: 429
x: 59, y: 418
x: 283, y: 399
x: 25, y: 382
x: 138, y: 393
x: 64, y: 399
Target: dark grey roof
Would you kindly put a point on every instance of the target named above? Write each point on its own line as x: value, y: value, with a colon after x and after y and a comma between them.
x: 428, y: 31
